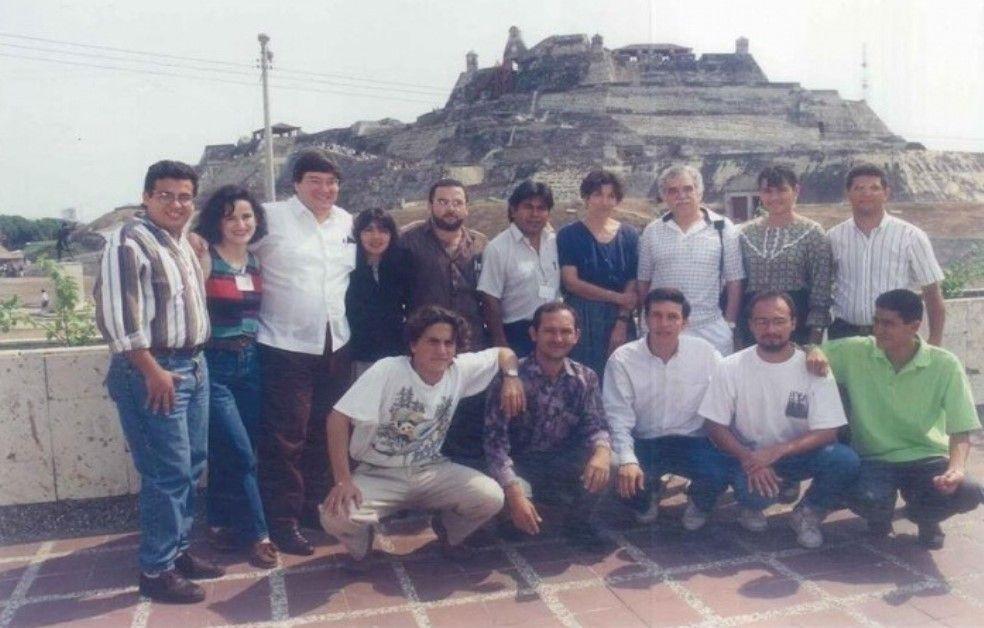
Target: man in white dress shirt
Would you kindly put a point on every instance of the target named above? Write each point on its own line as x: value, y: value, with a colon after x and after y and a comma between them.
x: 305, y: 259
x: 875, y: 252
x: 696, y: 251
x: 776, y: 422
x: 519, y: 268
x: 653, y: 387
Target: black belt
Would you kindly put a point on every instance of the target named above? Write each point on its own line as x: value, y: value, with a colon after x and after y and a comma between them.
x: 181, y: 352
x: 233, y: 343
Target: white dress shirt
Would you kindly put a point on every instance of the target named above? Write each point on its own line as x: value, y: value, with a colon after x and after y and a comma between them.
x: 896, y: 254
x: 690, y: 261
x: 305, y: 266
x: 521, y: 277
x: 645, y: 397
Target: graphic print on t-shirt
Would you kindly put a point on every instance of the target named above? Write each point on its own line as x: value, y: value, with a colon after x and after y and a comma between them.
x: 409, y: 432
x: 798, y: 405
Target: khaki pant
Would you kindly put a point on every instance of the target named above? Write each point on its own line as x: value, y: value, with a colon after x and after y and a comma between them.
x: 465, y: 498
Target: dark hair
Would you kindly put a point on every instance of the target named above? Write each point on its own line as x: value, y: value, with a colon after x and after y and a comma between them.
x: 657, y: 295
x: 220, y: 205
x: 865, y: 170
x: 379, y: 217
x: 167, y: 169
x: 775, y: 176
x: 906, y: 303
x: 525, y: 191
x: 427, y: 315
x: 445, y: 182
x: 550, y: 308
x: 596, y: 179
x: 314, y: 160
x: 771, y: 295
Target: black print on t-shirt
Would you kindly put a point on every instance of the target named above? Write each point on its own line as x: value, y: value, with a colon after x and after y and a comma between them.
x: 798, y: 405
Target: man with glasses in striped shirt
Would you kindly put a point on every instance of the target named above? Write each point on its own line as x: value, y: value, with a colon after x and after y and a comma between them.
x: 150, y: 308
x: 875, y: 252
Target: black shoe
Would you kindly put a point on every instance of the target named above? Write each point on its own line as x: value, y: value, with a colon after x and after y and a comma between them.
x: 171, y: 587
x: 196, y: 568
x: 879, y: 529
x: 311, y: 520
x: 451, y: 552
x: 291, y: 541
x: 931, y: 536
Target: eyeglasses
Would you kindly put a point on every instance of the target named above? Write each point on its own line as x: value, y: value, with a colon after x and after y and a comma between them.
x: 169, y: 198
x: 445, y: 203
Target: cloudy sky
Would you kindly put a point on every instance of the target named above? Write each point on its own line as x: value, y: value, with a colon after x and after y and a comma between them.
x: 93, y: 91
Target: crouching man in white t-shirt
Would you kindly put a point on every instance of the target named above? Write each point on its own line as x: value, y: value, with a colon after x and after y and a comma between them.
x: 399, y: 411
x: 778, y: 422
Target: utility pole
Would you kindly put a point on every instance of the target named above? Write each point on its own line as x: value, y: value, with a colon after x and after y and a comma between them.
x: 270, y: 179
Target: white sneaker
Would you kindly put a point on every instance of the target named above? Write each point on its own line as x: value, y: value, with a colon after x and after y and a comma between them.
x: 652, y: 511
x: 752, y: 520
x: 693, y: 517
x: 805, y: 521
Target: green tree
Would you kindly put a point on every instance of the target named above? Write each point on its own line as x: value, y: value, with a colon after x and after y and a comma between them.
x: 9, y: 314
x: 72, y: 320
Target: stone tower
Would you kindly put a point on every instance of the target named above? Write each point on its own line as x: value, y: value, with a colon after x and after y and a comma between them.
x: 515, y: 48
x: 741, y: 46
x: 471, y: 62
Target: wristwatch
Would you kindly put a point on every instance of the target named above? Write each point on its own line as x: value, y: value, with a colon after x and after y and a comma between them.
x: 511, y: 372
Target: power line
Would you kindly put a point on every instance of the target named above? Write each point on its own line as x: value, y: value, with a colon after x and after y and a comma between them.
x: 218, y: 62
x: 209, y: 78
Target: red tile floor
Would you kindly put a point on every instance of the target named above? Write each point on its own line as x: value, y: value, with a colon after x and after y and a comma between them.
x: 652, y: 576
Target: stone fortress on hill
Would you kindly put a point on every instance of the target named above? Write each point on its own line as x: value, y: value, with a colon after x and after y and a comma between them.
x: 567, y: 104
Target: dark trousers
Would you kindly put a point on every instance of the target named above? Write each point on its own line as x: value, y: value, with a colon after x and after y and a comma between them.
x: 879, y: 482
x: 842, y: 329
x: 463, y: 443
x: 299, y: 390
x: 554, y: 477
x: 692, y: 457
x: 518, y: 337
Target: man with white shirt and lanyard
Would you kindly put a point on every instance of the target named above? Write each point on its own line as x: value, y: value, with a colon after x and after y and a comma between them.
x: 305, y: 259
x: 150, y: 308
x: 776, y: 421
x: 653, y: 387
x: 696, y: 251
x: 519, y: 268
x: 875, y: 252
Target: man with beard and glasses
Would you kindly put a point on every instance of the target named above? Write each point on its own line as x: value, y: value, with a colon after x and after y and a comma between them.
x: 447, y: 261
x: 775, y: 421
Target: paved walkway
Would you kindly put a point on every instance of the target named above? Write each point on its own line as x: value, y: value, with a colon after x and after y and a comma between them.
x: 657, y: 575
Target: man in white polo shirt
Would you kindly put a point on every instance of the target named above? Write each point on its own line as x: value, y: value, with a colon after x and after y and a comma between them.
x: 306, y: 258
x: 696, y: 251
x: 778, y: 422
x: 653, y: 387
x: 519, y: 268
x: 875, y: 252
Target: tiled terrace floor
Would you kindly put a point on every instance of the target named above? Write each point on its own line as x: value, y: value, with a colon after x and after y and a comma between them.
x: 658, y: 575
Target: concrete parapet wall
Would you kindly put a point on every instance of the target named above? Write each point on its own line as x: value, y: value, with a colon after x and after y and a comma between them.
x: 60, y: 435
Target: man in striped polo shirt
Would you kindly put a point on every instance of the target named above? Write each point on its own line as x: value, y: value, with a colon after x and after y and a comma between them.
x: 874, y: 253
x: 150, y: 308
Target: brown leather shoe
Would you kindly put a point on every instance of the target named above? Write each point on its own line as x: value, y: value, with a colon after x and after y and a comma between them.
x: 291, y: 541
x: 196, y: 568
x: 171, y: 587
x: 264, y: 555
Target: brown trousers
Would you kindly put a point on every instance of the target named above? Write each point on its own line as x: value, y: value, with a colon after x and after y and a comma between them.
x: 299, y: 390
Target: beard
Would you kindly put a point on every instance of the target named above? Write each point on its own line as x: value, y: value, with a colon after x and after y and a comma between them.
x: 773, y: 346
x: 448, y: 224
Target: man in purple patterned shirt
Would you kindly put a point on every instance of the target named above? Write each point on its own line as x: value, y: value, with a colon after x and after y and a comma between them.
x: 559, y: 448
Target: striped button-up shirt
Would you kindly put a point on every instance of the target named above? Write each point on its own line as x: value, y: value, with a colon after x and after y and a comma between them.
x: 150, y: 291
x: 690, y: 261
x: 896, y: 254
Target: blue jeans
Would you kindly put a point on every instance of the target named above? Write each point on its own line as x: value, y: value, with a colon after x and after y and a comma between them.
x: 168, y: 451
x: 233, y: 498
x: 834, y: 468
x: 692, y: 457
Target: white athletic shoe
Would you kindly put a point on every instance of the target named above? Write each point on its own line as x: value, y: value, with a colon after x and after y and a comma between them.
x: 805, y: 521
x: 752, y: 520
x: 693, y: 517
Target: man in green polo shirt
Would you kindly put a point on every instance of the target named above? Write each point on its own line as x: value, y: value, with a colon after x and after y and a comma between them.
x: 913, y: 413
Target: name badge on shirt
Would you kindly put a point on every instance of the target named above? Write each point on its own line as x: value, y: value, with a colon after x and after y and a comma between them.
x: 244, y: 283
x: 547, y: 292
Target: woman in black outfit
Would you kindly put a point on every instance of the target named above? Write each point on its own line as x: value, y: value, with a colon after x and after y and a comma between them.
x: 376, y: 301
